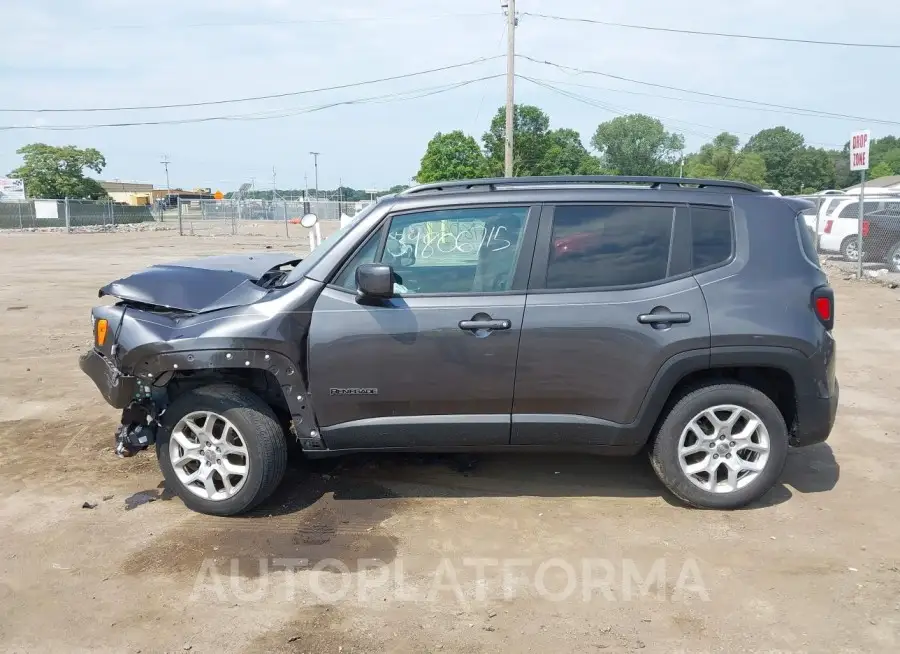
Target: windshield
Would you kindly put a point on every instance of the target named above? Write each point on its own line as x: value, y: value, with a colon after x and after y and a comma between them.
x: 306, y: 264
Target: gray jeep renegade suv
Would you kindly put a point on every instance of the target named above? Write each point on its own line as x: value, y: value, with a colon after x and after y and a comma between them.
x: 591, y: 314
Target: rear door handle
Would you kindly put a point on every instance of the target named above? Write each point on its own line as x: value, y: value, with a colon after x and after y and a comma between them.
x: 492, y: 325
x: 666, y: 317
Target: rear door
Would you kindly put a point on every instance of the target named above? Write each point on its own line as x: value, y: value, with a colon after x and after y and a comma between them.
x: 611, y: 299
x: 433, y: 366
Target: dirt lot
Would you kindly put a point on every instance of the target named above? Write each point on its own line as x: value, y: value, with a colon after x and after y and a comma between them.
x: 606, y: 560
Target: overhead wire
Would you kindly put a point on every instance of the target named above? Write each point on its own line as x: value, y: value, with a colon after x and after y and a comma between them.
x: 623, y: 111
x: 395, y: 96
x: 705, y: 94
x: 272, y: 96
x: 730, y: 35
x: 300, y: 21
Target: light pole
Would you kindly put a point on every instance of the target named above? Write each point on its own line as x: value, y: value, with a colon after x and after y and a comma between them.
x: 316, y: 164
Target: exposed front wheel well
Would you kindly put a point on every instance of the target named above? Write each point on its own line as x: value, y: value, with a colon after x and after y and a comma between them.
x: 775, y: 383
x: 260, y: 382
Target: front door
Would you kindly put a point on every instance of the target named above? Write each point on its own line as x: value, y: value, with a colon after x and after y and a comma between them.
x: 435, y: 365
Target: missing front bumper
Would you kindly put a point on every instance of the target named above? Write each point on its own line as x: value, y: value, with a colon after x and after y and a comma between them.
x: 116, y: 388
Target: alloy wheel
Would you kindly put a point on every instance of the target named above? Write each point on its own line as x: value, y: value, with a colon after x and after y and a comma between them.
x: 724, y: 448
x: 209, y: 455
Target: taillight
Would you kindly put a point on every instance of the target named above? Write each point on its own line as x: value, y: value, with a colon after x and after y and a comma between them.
x: 865, y: 228
x: 828, y: 224
x: 823, y: 305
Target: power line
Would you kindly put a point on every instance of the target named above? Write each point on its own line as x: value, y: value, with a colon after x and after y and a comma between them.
x: 302, y: 21
x: 691, y: 100
x: 709, y: 95
x: 729, y: 35
x: 258, y: 97
x: 412, y: 94
x: 622, y: 111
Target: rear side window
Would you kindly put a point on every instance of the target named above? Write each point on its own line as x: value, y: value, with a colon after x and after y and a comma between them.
x: 807, y: 240
x: 609, y: 245
x: 852, y: 210
x: 712, y: 238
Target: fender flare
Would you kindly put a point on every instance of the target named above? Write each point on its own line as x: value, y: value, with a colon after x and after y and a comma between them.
x: 790, y: 360
x: 285, y: 371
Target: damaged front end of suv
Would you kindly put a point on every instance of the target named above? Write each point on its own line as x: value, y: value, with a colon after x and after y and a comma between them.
x: 187, y: 324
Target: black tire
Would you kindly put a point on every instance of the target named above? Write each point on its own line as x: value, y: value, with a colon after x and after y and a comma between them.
x: 664, y: 453
x: 893, y: 258
x: 846, y: 244
x: 260, y: 430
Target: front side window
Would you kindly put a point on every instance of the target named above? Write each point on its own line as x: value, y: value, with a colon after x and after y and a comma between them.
x: 609, y: 245
x: 470, y: 250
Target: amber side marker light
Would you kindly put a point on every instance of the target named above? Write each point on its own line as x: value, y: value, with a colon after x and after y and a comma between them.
x: 102, y: 328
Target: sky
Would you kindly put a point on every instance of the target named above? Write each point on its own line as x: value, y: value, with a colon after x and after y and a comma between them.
x: 112, y: 53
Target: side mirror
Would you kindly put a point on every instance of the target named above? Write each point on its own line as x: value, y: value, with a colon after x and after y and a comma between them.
x: 375, y: 280
x: 309, y: 220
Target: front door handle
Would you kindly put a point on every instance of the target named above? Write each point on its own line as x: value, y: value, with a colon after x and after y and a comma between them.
x: 663, y: 317
x: 490, y: 325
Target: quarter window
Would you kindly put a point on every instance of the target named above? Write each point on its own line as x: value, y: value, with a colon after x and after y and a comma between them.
x: 609, y: 245
x: 711, y: 235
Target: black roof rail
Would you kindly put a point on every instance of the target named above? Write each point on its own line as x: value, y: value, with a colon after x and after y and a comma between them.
x: 492, y: 184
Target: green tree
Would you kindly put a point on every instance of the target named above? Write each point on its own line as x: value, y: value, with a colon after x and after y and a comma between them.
x: 564, y: 154
x: 637, y: 145
x: 451, y: 156
x: 721, y: 160
x: 808, y: 168
x: 531, y: 128
x: 843, y: 176
x: 891, y: 158
x: 58, y: 172
x: 777, y: 146
x: 882, y: 169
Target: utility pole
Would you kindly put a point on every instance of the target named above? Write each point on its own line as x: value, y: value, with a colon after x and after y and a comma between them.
x: 510, y: 82
x: 316, y: 164
x: 165, y: 162
x: 274, y: 187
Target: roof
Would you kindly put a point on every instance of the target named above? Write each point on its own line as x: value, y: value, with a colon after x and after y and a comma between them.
x: 126, y: 187
x: 882, y: 182
x: 583, y: 181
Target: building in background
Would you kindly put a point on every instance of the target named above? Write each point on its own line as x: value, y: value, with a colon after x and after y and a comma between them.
x: 135, y: 194
x: 889, y: 184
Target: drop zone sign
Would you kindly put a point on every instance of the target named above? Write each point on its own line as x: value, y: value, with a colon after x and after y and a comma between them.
x: 859, y: 150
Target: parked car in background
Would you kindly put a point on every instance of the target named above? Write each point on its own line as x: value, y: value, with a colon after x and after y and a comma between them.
x: 825, y: 204
x: 838, y: 232
x: 881, y: 236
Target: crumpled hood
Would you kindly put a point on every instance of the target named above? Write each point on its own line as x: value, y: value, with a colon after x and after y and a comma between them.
x: 201, y: 285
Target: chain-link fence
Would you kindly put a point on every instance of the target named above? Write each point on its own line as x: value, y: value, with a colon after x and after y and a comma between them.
x: 257, y: 217
x: 40, y: 213
x: 836, y: 221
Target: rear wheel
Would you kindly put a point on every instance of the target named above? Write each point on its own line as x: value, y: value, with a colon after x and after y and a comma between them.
x: 221, y: 449
x: 721, y: 447
x: 893, y: 258
x: 850, y: 248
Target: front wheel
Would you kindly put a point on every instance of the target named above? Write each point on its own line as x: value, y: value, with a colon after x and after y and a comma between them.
x: 721, y: 447
x: 221, y: 449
